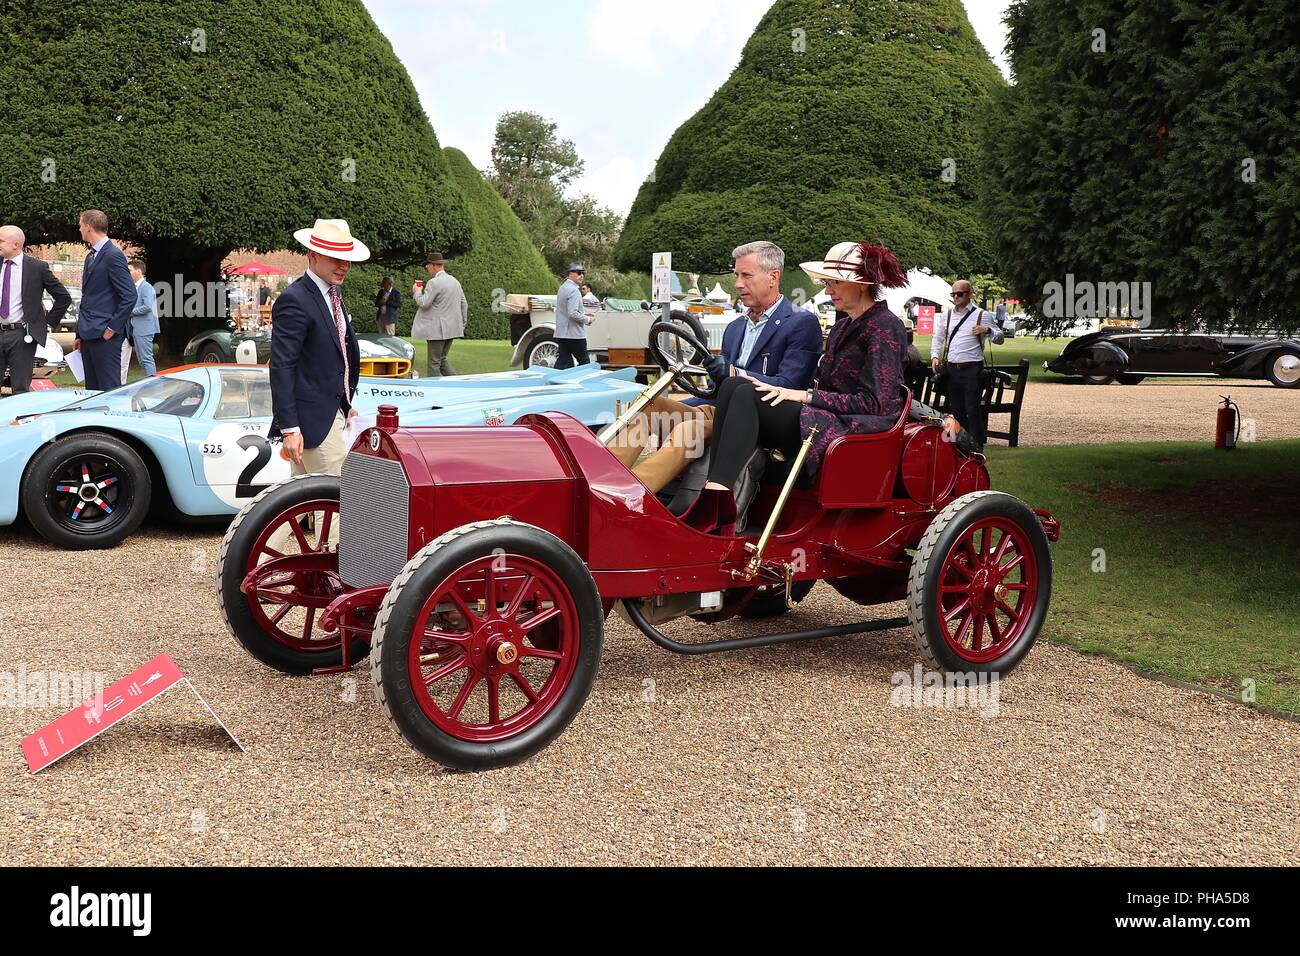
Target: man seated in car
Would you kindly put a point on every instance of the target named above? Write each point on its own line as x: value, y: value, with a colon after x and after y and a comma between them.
x: 773, y: 342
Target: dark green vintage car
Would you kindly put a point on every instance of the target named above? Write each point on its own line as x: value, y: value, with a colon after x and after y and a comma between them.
x: 382, y: 356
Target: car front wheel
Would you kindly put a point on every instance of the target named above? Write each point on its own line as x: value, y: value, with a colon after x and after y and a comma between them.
x: 87, y: 491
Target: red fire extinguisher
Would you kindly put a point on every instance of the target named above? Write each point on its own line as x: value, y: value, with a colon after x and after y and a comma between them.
x: 1227, y: 427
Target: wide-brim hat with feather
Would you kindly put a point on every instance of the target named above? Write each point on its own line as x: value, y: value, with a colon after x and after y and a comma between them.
x: 858, y: 262
x: 333, y: 238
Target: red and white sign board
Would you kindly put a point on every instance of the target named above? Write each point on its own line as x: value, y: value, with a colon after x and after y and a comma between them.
x: 102, y: 711
x: 925, y: 320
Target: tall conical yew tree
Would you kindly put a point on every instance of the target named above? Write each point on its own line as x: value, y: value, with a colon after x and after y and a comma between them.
x: 849, y: 120
x: 202, y: 126
x: 1152, y: 142
x: 502, y: 260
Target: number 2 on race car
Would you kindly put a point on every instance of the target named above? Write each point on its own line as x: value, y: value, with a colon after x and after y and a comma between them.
x: 244, y: 487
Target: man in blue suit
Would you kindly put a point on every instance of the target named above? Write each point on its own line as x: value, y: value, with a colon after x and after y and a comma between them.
x: 107, y: 298
x: 144, y: 323
x: 315, y: 359
x: 772, y: 342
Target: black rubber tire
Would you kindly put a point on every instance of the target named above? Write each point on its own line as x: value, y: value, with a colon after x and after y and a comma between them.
x: 129, y: 509
x: 546, y: 338
x: 1126, y: 378
x: 1098, y: 379
x: 391, y: 641
x: 211, y: 354
x: 770, y: 600
x: 240, y: 537
x: 1270, y: 370
x: 927, y: 567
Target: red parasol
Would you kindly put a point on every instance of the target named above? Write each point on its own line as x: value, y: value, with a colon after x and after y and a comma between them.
x: 257, y: 269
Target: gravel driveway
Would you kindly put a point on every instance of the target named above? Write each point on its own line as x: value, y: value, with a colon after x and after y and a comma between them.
x: 785, y: 755
x: 1067, y: 413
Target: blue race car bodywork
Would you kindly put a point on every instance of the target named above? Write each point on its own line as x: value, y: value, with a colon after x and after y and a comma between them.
x: 202, y: 431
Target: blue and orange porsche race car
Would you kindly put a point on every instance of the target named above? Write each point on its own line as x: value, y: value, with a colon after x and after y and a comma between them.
x: 85, y: 467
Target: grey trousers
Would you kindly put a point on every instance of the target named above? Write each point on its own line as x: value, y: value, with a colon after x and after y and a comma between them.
x: 437, y: 363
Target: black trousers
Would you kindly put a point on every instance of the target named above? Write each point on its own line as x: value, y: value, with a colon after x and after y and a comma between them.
x: 964, y: 398
x: 744, y: 422
x: 18, y: 356
x: 572, y: 352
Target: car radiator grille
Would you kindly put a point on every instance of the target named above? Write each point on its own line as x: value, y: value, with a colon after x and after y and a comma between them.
x: 374, y: 511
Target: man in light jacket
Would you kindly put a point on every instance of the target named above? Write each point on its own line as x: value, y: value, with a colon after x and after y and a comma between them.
x: 571, y: 320
x: 441, y: 312
x: 142, y: 328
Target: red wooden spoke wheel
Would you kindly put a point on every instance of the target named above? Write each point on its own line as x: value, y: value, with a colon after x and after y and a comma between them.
x: 987, y: 590
x: 487, y: 644
x: 980, y: 584
x: 279, y: 621
x: 472, y: 662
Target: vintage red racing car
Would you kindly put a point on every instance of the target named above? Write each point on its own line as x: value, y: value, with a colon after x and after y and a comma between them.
x: 476, y: 566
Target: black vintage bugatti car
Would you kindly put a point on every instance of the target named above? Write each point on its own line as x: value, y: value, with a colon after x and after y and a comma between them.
x: 1130, y: 355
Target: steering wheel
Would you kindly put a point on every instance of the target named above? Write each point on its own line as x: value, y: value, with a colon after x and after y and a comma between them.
x: 666, y: 344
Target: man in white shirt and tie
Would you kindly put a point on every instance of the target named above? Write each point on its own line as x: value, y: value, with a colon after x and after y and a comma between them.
x: 958, y: 349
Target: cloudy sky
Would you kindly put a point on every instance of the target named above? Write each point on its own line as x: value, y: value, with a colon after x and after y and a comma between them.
x: 617, y: 76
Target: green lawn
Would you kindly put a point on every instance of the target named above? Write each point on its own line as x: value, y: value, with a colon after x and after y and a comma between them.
x: 1202, y: 557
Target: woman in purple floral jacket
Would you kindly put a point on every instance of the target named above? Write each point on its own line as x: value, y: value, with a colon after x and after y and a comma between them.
x: 858, y: 389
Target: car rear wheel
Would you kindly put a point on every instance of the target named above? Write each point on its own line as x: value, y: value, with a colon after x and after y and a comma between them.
x: 980, y: 584
x: 1099, y: 379
x: 87, y: 491
x: 1125, y: 378
x: 543, y: 352
x: 1284, y: 370
x: 279, y: 622
x: 486, y: 646
x: 210, y: 354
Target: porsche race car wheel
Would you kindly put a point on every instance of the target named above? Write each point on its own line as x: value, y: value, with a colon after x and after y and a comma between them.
x: 279, y: 622
x: 1284, y: 369
x: 486, y: 645
x: 86, y: 491
x: 980, y: 584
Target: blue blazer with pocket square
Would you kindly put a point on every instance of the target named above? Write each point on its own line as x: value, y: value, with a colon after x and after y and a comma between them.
x: 785, y: 353
x: 306, y: 366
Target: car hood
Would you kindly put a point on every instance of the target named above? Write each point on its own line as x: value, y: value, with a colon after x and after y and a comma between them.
x: 37, y: 403
x: 493, y: 388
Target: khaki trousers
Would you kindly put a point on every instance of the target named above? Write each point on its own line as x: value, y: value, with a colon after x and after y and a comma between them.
x: 327, y: 457
x: 683, y: 432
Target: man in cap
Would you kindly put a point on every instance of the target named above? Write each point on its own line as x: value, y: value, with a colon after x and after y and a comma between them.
x: 441, y: 312
x: 315, y: 359
x: 571, y: 320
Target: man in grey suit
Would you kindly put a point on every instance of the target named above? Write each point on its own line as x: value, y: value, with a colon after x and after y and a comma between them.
x: 441, y: 312
x: 571, y: 320
x: 23, y: 320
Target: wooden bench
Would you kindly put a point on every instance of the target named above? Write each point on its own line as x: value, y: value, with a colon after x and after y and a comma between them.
x: 1002, y: 396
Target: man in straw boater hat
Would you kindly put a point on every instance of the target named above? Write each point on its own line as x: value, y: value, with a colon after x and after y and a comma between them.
x: 314, y: 352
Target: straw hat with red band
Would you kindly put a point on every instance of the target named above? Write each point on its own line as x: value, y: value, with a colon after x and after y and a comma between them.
x: 333, y: 238
x: 858, y: 262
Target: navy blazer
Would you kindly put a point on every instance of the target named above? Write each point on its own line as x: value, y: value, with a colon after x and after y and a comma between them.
x: 107, y: 294
x: 786, y: 352
x: 394, y: 304
x: 306, y: 366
